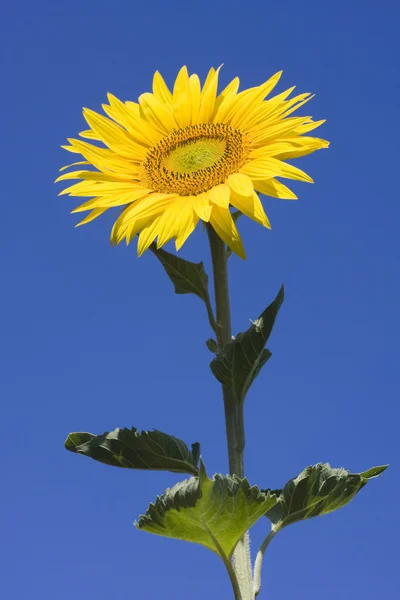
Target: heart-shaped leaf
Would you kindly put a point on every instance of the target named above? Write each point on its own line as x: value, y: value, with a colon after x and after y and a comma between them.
x: 238, y: 363
x: 215, y: 513
x: 129, y: 448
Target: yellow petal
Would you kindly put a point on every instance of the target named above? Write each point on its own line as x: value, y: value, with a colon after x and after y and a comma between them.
x: 202, y: 206
x: 94, y: 176
x: 75, y: 164
x: 241, y: 184
x: 241, y: 102
x: 238, y: 101
x: 220, y: 195
x: 309, y: 126
x: 128, y: 230
x: 90, y: 135
x: 230, y: 90
x: 133, y: 108
x: 208, y: 96
x: 288, y: 148
x: 303, y: 147
x: 188, y: 220
x: 147, y: 207
x: 267, y: 167
x: 274, y: 188
x: 178, y: 222
x: 257, y: 169
x: 271, y: 149
x: 96, y: 188
x: 114, y: 136
x: 277, y: 108
x: 140, y: 130
x: 268, y: 131
x: 91, y: 216
x: 269, y: 85
x: 161, y: 90
x: 156, y: 113
x: 226, y: 100
x: 244, y: 112
x: 101, y: 158
x: 110, y: 201
x: 195, y: 92
x: 167, y: 227
x: 71, y: 149
x: 182, y: 99
x: 295, y: 103
x: 78, y: 189
x: 251, y: 207
x: 147, y: 236
x: 222, y: 222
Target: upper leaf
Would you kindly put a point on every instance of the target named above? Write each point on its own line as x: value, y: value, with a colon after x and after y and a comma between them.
x: 317, y: 491
x: 212, y: 345
x: 187, y: 277
x: 238, y: 363
x: 212, y: 512
x: 132, y: 449
x: 373, y: 472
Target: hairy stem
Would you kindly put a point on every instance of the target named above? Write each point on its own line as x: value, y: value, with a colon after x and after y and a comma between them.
x: 233, y: 412
x: 259, y: 559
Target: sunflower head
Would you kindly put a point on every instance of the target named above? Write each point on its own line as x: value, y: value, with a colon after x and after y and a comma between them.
x: 177, y: 157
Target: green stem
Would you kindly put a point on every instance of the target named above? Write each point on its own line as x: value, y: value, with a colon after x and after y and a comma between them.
x: 224, y: 336
x: 233, y: 411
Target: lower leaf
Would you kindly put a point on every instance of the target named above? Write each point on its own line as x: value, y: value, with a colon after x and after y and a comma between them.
x: 212, y: 512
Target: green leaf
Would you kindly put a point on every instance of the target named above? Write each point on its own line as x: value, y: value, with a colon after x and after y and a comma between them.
x: 212, y: 345
x: 317, y: 491
x: 239, y: 362
x: 129, y: 448
x: 374, y: 472
x: 187, y: 277
x: 212, y: 512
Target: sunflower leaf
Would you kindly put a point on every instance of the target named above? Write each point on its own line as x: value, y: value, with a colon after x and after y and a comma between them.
x: 212, y: 345
x: 212, y: 512
x: 318, y: 490
x: 131, y: 449
x: 238, y: 363
x: 187, y: 277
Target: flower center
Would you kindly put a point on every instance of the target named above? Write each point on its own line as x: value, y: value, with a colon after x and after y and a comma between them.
x: 194, y: 155
x: 194, y: 159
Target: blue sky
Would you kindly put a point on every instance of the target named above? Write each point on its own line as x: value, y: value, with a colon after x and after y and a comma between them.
x: 93, y: 338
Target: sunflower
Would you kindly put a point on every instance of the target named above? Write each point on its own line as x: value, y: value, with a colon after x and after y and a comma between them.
x: 174, y: 158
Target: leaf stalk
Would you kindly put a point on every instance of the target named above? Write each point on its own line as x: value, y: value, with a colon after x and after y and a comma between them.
x: 259, y: 560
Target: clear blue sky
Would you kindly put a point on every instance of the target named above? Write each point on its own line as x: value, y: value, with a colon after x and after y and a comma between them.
x: 93, y: 338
